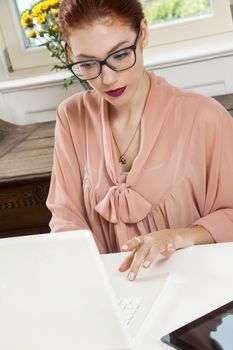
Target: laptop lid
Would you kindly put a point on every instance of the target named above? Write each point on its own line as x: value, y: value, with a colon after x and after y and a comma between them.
x: 55, y: 294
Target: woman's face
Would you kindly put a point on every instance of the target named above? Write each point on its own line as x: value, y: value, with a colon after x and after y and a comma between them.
x: 99, y: 40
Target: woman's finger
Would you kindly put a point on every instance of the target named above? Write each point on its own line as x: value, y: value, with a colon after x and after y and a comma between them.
x: 138, y: 258
x: 167, y: 250
x: 127, y: 262
x: 143, y: 252
x: 132, y: 244
x: 153, y: 252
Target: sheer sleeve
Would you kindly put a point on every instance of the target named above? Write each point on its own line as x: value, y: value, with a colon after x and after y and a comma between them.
x: 218, y: 210
x: 65, y: 199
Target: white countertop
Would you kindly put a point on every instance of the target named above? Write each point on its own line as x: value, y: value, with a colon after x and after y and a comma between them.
x: 201, y: 279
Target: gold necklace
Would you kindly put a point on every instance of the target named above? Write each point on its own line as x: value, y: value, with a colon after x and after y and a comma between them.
x: 122, y: 158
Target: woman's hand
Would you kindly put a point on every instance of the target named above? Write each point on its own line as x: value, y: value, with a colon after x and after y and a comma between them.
x: 146, y: 248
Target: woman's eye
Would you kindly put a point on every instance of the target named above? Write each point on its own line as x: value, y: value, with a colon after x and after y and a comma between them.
x: 87, y: 65
x: 121, y: 55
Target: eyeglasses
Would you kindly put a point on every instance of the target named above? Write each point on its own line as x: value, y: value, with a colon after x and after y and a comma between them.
x: 118, y: 61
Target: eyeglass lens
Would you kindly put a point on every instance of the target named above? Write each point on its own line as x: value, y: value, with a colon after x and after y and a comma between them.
x: 118, y: 61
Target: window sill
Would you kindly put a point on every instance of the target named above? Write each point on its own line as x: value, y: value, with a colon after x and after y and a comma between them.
x: 196, y: 50
x: 35, y: 82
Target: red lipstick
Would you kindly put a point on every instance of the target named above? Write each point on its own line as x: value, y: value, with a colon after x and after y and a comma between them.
x: 116, y: 93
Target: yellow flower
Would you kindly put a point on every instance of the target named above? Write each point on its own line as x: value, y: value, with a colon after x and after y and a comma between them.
x: 55, y: 28
x: 32, y: 34
x: 36, y: 10
x: 54, y: 3
x: 56, y: 19
x: 54, y: 12
x: 45, y: 6
x: 26, y: 20
x: 41, y: 18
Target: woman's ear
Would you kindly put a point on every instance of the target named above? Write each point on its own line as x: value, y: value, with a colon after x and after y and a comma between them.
x: 144, y: 33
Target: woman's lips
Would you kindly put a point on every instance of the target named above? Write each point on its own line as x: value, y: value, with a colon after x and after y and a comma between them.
x: 117, y: 92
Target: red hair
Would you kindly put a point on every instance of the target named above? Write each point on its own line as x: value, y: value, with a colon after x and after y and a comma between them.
x: 78, y: 13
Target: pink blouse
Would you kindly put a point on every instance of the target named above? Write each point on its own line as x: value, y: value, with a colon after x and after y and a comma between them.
x: 182, y: 175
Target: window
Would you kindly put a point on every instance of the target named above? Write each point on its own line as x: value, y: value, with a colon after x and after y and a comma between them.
x: 21, y: 6
x: 193, y: 19
x: 21, y: 55
x: 186, y: 19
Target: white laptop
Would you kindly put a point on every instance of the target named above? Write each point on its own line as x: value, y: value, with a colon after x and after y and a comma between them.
x: 55, y: 294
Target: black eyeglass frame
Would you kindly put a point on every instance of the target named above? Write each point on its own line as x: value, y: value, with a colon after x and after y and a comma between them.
x: 104, y: 62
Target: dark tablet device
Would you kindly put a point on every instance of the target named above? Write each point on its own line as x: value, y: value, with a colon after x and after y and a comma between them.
x: 213, y: 331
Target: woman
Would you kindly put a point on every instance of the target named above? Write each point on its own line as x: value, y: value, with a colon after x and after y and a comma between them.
x: 144, y: 165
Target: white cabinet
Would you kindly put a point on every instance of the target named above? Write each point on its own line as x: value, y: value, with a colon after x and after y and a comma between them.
x: 32, y: 100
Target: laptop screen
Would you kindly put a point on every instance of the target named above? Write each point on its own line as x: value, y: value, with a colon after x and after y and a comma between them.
x: 213, y: 331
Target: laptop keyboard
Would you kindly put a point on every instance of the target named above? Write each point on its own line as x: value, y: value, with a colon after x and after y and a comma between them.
x: 129, y: 307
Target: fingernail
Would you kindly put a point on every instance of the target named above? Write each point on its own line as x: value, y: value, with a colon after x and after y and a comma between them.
x: 170, y: 247
x: 124, y: 247
x: 131, y: 276
x: 146, y: 263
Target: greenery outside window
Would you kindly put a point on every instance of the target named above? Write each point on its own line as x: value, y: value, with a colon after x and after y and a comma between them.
x: 164, y: 11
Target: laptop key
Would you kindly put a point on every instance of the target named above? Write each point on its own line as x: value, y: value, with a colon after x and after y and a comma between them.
x: 128, y: 307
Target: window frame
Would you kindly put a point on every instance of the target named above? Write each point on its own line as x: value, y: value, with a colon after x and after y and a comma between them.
x: 220, y: 21
x: 23, y: 59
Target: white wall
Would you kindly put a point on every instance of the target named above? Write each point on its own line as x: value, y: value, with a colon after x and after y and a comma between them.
x: 2, y: 72
x: 2, y: 66
x: 212, y: 77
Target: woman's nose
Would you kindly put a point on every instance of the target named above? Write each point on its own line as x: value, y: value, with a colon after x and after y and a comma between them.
x: 108, y: 75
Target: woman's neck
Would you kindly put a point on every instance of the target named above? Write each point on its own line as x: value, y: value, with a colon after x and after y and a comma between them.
x: 126, y: 114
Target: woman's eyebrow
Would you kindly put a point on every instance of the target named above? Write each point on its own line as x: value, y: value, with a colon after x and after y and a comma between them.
x: 114, y: 48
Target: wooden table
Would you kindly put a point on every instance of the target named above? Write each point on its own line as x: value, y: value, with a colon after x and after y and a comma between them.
x: 226, y: 101
x: 25, y: 176
x: 24, y: 182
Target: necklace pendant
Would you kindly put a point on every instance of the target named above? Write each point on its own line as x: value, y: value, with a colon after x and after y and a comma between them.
x: 122, y: 160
